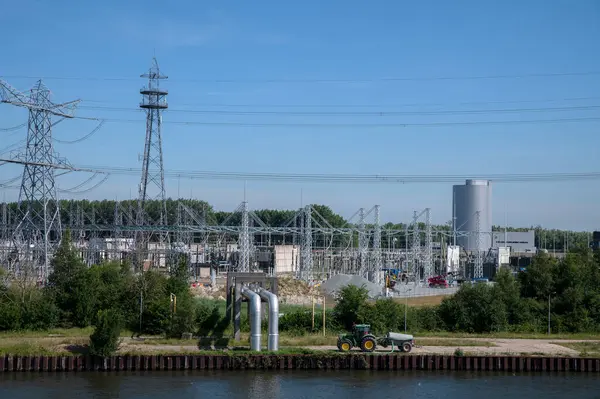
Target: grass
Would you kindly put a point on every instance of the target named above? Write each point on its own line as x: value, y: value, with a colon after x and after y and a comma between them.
x: 75, y: 340
x: 418, y: 301
x: 507, y: 335
x: 585, y: 348
x: 55, y: 332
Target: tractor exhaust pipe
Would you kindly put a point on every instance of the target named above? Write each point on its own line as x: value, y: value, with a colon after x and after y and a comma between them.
x: 254, y: 307
x: 273, y: 342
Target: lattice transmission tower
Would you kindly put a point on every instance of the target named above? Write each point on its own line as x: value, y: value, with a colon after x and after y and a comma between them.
x: 38, y: 231
x: 478, y: 266
x: 152, y: 184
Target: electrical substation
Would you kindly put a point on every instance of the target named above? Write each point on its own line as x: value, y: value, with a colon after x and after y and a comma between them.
x: 306, y: 247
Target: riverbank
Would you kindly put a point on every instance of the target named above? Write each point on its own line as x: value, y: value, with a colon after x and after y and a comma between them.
x: 75, y: 343
x: 298, y: 362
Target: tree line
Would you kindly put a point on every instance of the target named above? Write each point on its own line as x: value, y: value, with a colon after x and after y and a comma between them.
x: 569, y: 289
x: 76, y: 295
x: 85, y: 212
x: 110, y: 297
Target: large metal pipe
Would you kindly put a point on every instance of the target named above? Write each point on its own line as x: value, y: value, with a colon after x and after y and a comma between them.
x: 254, y: 308
x: 273, y: 342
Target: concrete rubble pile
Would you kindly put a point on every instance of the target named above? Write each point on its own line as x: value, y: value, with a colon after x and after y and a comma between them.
x: 296, y: 292
x: 332, y: 286
x: 207, y: 291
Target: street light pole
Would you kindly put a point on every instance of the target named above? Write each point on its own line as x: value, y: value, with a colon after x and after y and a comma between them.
x: 406, y: 308
x: 548, y: 314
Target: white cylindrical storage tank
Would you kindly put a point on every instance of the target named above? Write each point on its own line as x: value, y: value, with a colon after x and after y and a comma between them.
x: 468, y: 199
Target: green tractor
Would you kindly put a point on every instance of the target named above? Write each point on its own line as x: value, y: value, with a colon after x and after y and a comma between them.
x: 359, y: 337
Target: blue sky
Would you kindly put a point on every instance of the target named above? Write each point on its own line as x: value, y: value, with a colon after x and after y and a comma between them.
x: 201, y: 44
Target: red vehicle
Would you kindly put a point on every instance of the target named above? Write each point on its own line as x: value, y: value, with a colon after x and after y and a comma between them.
x: 437, y: 282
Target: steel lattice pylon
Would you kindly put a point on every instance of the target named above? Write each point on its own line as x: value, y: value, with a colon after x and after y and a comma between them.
x: 377, y: 264
x: 478, y: 267
x: 415, y: 250
x: 306, y: 264
x: 152, y: 185
x: 363, y: 244
x: 244, y: 241
x: 39, y: 229
x: 428, y: 253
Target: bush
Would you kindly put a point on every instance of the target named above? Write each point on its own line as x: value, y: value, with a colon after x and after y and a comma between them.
x: 426, y: 318
x: 384, y: 315
x: 299, y: 322
x: 39, y: 313
x: 105, y: 341
x: 474, y: 309
x: 10, y: 316
x: 351, y: 299
x: 183, y: 320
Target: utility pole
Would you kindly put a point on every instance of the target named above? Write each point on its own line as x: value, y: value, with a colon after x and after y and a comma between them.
x: 244, y: 241
x: 478, y: 269
x: 362, y: 244
x: 154, y: 102
x: 428, y: 258
x: 377, y: 263
x: 38, y: 231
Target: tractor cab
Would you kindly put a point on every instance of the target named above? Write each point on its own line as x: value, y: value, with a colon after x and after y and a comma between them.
x: 360, y: 330
x: 359, y: 337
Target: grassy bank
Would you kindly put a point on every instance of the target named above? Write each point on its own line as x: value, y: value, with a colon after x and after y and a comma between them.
x: 74, y: 341
x: 586, y: 349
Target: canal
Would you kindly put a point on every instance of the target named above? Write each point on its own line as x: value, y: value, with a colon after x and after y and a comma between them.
x: 297, y: 385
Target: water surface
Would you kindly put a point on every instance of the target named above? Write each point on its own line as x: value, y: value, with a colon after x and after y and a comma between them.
x: 297, y: 384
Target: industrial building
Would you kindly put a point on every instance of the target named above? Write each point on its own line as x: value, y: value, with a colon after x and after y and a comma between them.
x: 518, y: 241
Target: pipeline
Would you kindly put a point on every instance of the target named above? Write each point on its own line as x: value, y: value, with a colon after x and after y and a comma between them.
x: 273, y: 341
x: 254, y: 306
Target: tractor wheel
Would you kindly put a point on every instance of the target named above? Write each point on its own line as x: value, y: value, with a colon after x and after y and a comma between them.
x: 368, y: 344
x: 345, y: 345
x: 406, y: 347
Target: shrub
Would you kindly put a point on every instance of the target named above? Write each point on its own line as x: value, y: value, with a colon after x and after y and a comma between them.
x: 104, y: 341
x: 426, y: 318
x: 384, y: 315
x: 10, y: 316
x: 351, y: 299
x: 299, y: 322
x: 183, y: 320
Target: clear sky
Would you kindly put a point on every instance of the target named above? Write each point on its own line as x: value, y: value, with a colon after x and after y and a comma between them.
x: 272, y: 57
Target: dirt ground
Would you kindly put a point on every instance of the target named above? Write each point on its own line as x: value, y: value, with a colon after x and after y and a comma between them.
x: 498, y: 346
x: 537, y: 347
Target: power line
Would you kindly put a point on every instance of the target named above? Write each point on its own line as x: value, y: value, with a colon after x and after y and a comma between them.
x: 353, y: 178
x: 358, y: 125
x: 266, y: 105
x: 328, y: 178
x: 13, y: 128
x: 361, y: 113
x: 317, y: 80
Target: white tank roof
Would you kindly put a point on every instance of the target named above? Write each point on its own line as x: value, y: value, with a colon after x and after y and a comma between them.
x: 471, y: 182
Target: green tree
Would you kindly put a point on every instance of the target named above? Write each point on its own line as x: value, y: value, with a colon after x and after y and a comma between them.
x: 474, y: 309
x: 537, y: 281
x: 105, y: 341
x: 349, y: 303
x: 508, y: 290
x: 72, y: 288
